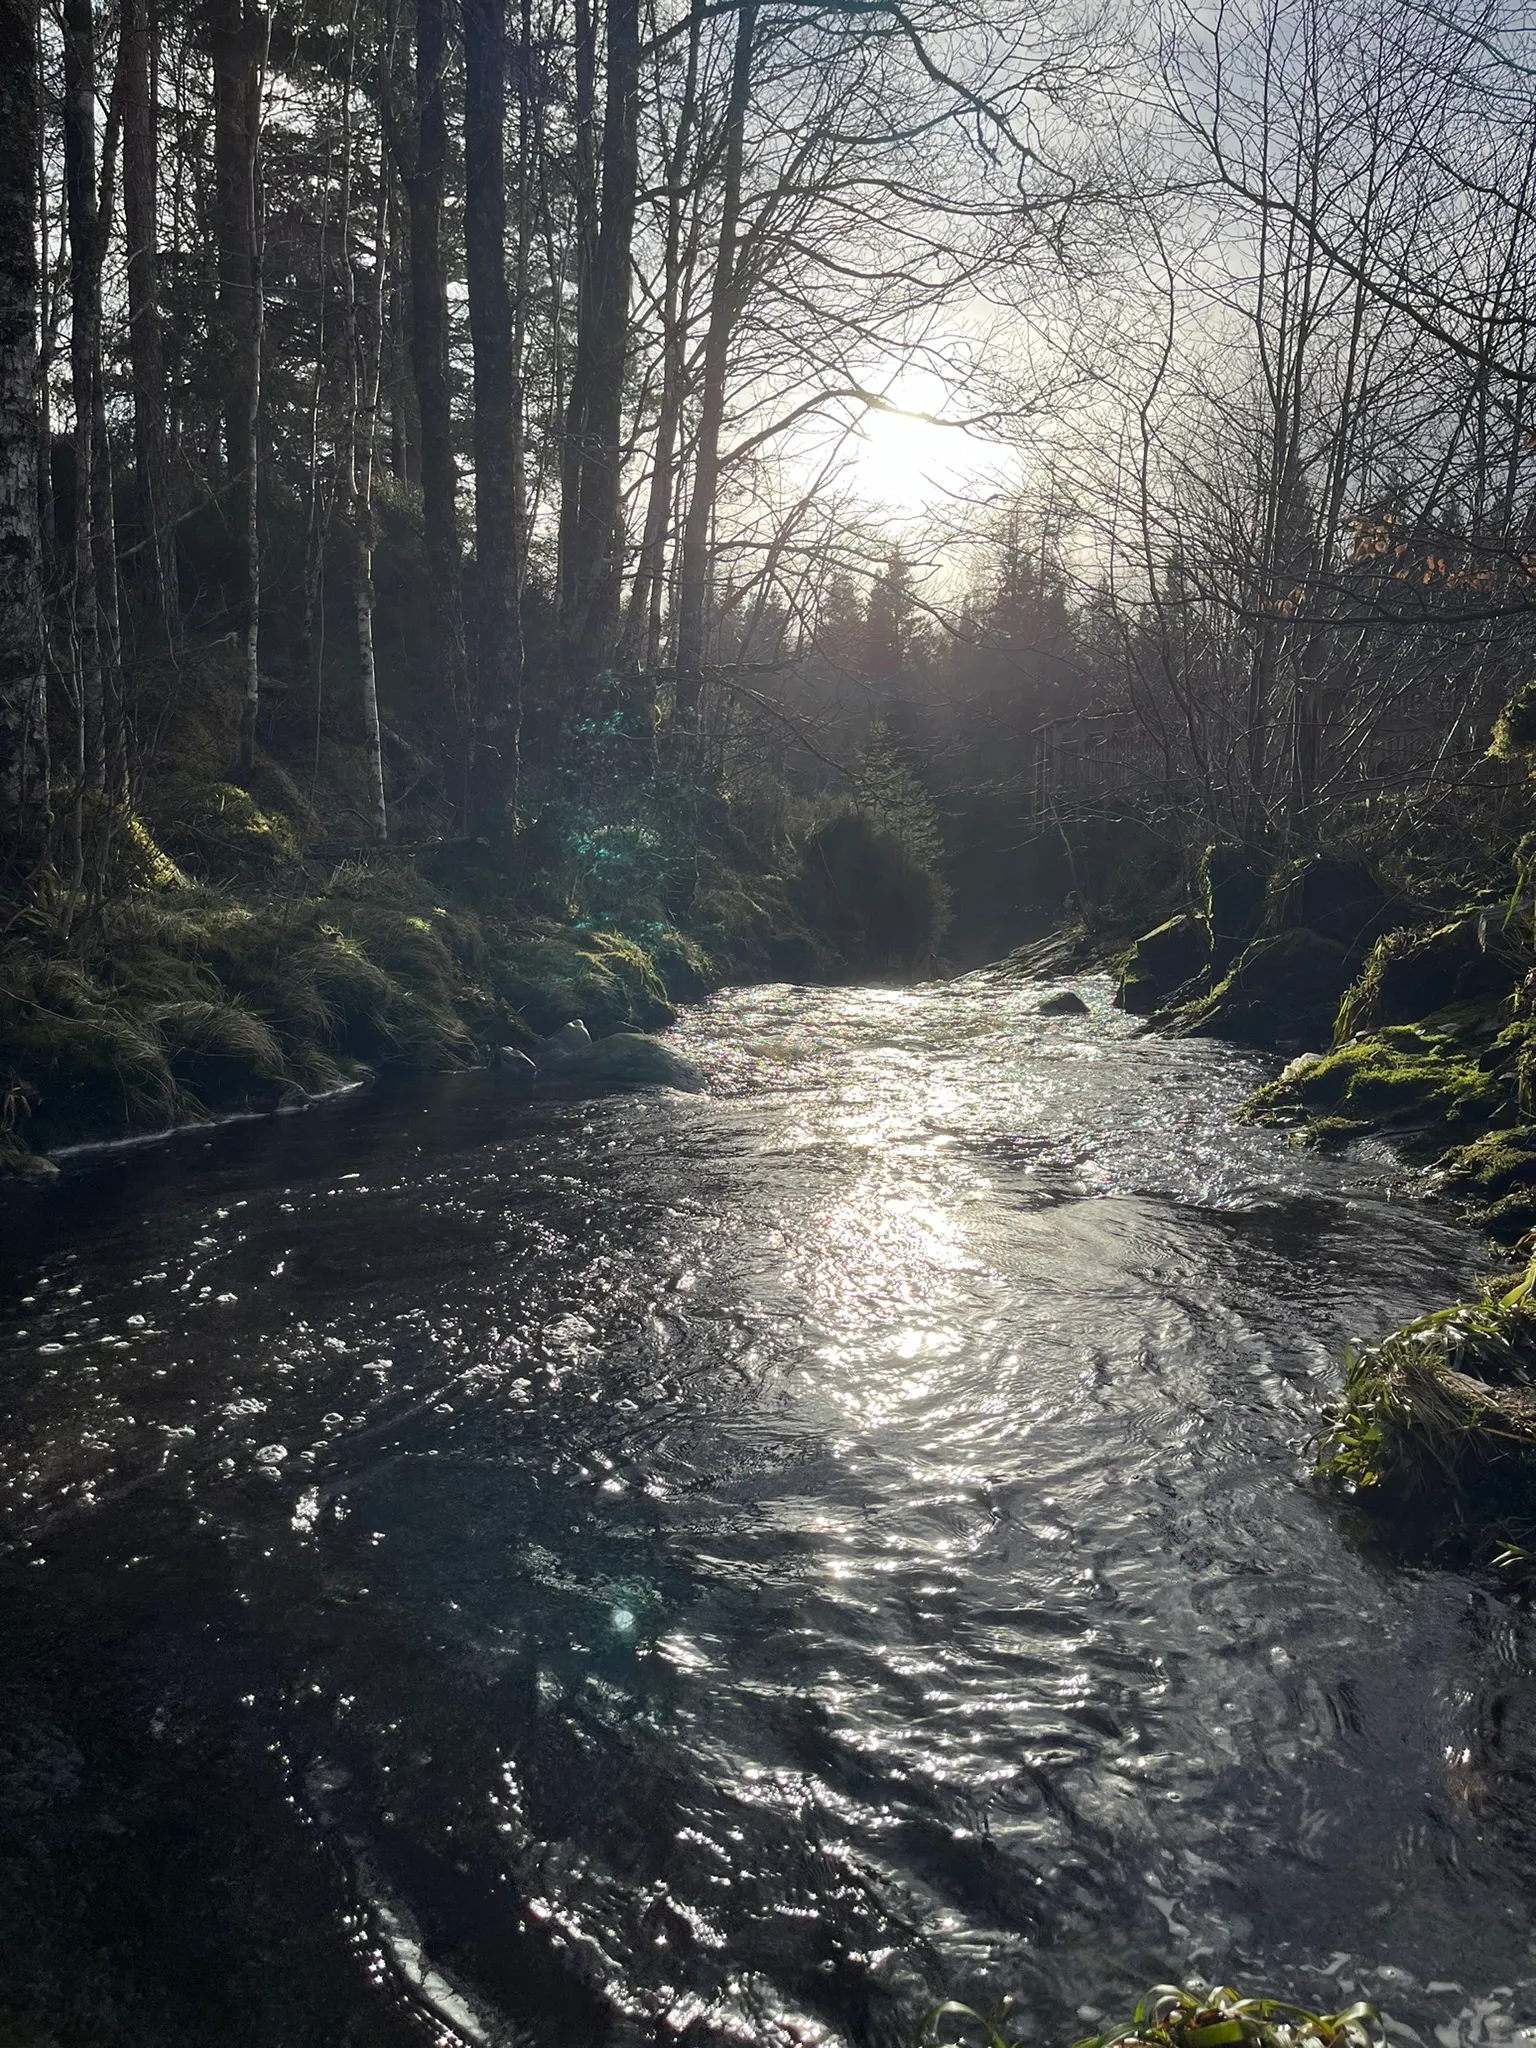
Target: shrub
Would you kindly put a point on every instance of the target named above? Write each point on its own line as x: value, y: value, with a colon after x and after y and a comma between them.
x: 872, y: 899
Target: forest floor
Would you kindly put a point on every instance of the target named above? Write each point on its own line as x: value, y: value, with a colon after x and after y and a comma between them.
x: 282, y: 975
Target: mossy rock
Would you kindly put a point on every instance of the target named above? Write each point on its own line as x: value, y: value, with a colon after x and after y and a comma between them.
x: 1412, y: 975
x: 1231, y: 889
x: 751, y: 929
x: 1283, y: 989
x: 1161, y: 963
x: 623, y: 1060
x: 1404, y: 1079
x: 1496, y: 1174
x: 1340, y: 900
x: 1438, y: 1423
x: 221, y: 831
x: 686, y: 970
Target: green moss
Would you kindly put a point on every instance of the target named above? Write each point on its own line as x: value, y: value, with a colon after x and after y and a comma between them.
x: 1404, y: 1079
x: 1496, y: 1176
x: 177, y: 1002
x: 1282, y: 988
x: 1230, y: 888
x: 748, y: 924
x: 1514, y: 733
x: 221, y: 831
x: 684, y: 968
x: 154, y: 868
x: 1438, y: 1422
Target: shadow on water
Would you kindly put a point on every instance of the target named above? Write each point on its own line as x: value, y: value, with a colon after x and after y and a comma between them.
x: 724, y: 1567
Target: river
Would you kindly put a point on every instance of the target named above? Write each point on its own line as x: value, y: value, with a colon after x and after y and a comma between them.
x: 730, y: 1568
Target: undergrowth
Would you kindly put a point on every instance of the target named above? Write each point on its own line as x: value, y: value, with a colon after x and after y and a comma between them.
x: 1194, y: 2016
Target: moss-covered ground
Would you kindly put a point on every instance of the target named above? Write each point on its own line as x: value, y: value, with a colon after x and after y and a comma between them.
x: 215, y: 960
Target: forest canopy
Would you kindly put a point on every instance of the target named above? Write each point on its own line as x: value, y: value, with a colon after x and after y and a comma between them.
x: 427, y: 422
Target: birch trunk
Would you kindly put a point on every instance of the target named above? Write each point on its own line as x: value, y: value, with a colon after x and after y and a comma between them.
x: 84, y: 352
x: 239, y: 37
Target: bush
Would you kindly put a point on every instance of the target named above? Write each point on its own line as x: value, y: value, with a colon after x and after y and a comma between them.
x: 869, y: 897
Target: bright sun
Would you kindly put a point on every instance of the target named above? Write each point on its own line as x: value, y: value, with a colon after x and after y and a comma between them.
x: 905, y: 464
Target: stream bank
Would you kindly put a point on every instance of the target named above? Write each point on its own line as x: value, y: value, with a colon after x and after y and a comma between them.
x: 1412, y: 1025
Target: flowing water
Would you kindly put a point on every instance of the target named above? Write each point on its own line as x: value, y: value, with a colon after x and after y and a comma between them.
x: 733, y: 1567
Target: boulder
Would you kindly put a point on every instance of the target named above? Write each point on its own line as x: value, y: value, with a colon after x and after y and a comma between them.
x: 1339, y: 899
x: 1281, y: 990
x: 1496, y: 1173
x: 565, y: 1044
x: 1413, y: 975
x: 1161, y: 962
x: 626, y: 1060
x: 513, y: 1068
x: 1406, y: 1080
x: 1066, y: 1004
x: 1231, y: 884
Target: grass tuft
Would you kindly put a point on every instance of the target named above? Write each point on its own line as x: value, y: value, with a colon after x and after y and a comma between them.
x: 1171, y: 2016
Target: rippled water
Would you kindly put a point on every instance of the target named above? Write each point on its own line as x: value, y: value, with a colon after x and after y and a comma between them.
x: 733, y: 1566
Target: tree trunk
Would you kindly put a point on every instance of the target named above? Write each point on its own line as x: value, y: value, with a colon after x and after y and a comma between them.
x: 602, y: 344
x: 371, y: 371
x: 693, y: 570
x: 239, y: 37
x: 642, y: 630
x: 584, y: 235
x: 91, y: 655
x: 136, y: 62
x: 23, y: 792
x: 498, y: 576
x: 429, y: 362
x: 364, y: 371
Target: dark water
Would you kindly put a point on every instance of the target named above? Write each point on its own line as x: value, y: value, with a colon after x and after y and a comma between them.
x: 728, y: 1567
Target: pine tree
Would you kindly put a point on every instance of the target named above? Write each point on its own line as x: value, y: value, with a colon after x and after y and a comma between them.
x: 889, y: 795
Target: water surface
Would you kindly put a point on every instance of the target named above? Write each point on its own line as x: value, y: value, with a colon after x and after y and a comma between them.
x: 727, y: 1568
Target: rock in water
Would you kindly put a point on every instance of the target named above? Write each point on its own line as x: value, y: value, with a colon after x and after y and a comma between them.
x: 1067, y: 1004
x: 1162, y: 962
x: 512, y: 1067
x: 565, y: 1044
x: 626, y: 1060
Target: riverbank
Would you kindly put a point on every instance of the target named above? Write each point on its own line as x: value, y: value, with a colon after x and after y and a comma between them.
x: 1411, y: 1024
x: 173, y: 1001
x: 1404, y: 1019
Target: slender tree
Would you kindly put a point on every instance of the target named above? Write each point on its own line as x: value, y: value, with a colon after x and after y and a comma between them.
x: 423, y: 166
x: 240, y: 33
x: 92, y: 620
x: 592, y: 559
x: 23, y: 789
x: 724, y: 306
x: 138, y: 67
x: 498, y: 575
